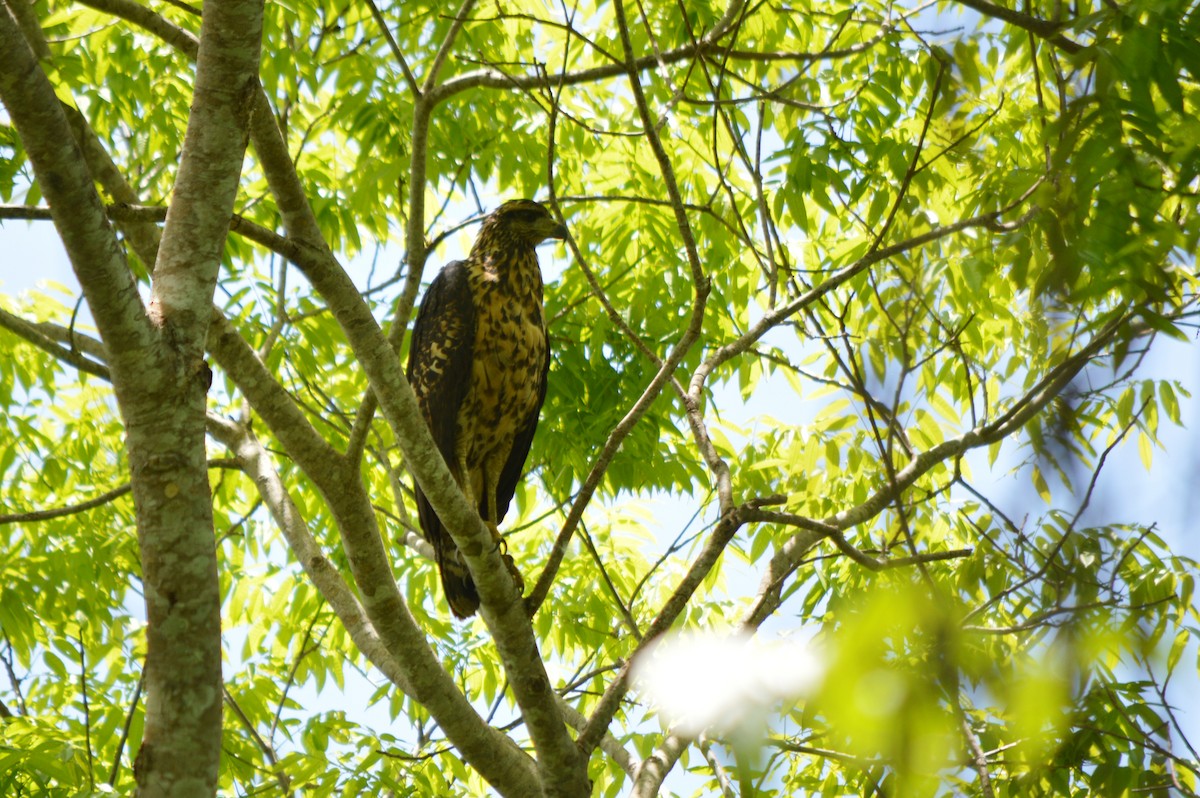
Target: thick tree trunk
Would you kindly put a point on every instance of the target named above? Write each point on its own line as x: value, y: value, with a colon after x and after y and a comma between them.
x: 181, y: 745
x: 155, y: 358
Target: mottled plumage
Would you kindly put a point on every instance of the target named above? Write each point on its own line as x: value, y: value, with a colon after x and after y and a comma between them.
x: 478, y: 364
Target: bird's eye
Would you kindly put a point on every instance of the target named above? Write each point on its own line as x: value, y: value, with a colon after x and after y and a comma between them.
x: 528, y: 216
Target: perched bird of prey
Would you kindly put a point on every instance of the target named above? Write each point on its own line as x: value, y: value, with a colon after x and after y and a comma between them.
x: 478, y: 363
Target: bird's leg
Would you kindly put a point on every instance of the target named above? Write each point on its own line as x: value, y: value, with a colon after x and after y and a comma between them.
x: 464, y: 485
x: 494, y: 526
x: 489, y: 513
x: 514, y: 572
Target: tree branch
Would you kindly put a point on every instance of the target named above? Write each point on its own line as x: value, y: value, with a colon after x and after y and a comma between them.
x: 722, y: 533
x: 256, y: 463
x: 116, y: 765
x: 144, y: 18
x: 509, y: 768
x: 75, y: 206
x: 1050, y: 31
x: 491, y: 78
x: 701, y: 287
x: 788, y: 556
x: 29, y: 332
x: 416, y: 670
x: 654, y: 768
x: 33, y: 516
x: 214, y: 146
x: 439, y: 58
x: 282, y: 779
x: 397, y: 53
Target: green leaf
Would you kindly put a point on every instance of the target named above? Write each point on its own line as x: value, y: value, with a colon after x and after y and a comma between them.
x: 1169, y: 401
x: 1145, y: 450
x: 1039, y: 484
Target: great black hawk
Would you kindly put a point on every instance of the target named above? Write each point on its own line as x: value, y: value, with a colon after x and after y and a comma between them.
x: 478, y: 363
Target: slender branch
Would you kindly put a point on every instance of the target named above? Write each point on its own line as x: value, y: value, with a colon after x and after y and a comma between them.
x: 1041, y: 619
x: 492, y: 78
x: 116, y: 765
x: 75, y: 206
x: 397, y: 53
x: 824, y: 753
x: 701, y: 287
x: 416, y: 250
x: 29, y: 332
x: 32, y: 516
x: 656, y: 766
x: 977, y: 757
x: 14, y: 682
x: 824, y: 529
x: 623, y: 609
x: 718, y: 769
x: 26, y: 213
x: 153, y: 23
x: 360, y: 429
x: 627, y: 761
x: 282, y: 778
x: 792, y: 551
x: 87, y: 715
x: 1050, y: 31
x: 303, y: 651
x: 459, y: 19
x: 286, y: 247
x: 701, y: 566
x: 1161, y: 690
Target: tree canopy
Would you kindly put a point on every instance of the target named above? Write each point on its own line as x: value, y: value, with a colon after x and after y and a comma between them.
x: 838, y: 277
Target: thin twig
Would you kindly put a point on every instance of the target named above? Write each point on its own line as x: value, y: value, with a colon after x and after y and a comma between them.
x: 31, y: 516
x: 133, y: 702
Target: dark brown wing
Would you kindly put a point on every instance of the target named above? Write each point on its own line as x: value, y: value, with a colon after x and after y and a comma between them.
x: 439, y: 370
x: 439, y: 357
x: 515, y: 465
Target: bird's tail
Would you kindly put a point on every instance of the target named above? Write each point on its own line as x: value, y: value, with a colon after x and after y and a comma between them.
x: 458, y: 585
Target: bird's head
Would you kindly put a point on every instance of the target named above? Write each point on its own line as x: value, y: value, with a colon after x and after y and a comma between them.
x: 523, y: 221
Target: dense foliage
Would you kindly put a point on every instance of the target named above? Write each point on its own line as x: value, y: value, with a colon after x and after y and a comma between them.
x: 838, y: 277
